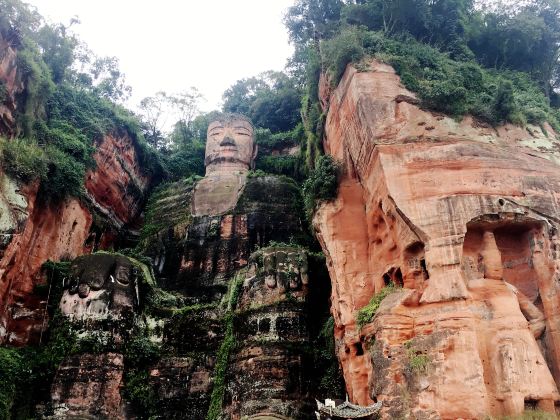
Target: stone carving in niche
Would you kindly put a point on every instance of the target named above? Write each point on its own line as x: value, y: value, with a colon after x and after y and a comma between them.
x: 506, y: 264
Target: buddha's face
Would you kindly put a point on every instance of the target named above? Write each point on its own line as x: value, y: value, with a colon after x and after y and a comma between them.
x: 230, y: 146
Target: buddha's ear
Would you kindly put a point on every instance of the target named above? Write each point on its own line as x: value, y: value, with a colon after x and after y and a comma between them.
x: 255, y: 151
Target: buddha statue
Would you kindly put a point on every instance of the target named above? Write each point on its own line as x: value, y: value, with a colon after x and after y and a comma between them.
x: 213, y: 226
x: 230, y: 153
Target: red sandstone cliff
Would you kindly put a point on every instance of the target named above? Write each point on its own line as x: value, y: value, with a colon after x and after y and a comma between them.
x: 464, y: 218
x: 34, y: 232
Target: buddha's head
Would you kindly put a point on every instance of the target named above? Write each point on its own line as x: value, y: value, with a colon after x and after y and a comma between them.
x: 230, y: 144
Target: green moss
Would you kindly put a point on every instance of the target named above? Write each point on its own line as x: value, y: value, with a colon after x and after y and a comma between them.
x: 139, y: 354
x: 366, y: 314
x: 163, y: 211
x: 528, y: 415
x: 322, y: 184
x: 13, y: 367
x: 222, y: 358
x: 38, y: 85
x: 419, y: 363
x: 23, y: 159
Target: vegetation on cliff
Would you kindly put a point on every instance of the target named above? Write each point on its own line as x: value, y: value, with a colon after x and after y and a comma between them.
x: 497, y: 61
x: 366, y: 314
x: 63, y: 111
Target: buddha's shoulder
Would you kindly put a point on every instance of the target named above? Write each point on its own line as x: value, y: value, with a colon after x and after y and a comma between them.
x: 170, y: 201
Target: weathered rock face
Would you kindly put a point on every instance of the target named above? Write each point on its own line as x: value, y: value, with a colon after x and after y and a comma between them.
x: 198, y: 254
x: 10, y: 87
x: 464, y: 218
x: 242, y: 346
x: 118, y: 184
x: 54, y: 231
x: 88, y: 386
x: 223, y: 328
x: 268, y: 369
x: 34, y: 231
x: 99, y: 304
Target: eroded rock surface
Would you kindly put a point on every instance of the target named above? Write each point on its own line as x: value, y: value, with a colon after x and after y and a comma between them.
x: 34, y: 230
x: 225, y: 327
x: 88, y: 386
x: 10, y: 87
x: 464, y: 218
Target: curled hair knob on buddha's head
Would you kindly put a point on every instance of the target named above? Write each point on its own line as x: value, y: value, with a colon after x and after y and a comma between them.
x: 230, y: 144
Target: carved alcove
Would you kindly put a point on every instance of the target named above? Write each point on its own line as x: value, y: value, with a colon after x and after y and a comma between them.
x: 523, y: 248
x: 516, y: 238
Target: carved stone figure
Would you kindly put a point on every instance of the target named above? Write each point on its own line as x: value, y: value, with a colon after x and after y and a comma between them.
x: 230, y: 153
x: 217, y: 222
x: 100, y: 286
x: 230, y: 144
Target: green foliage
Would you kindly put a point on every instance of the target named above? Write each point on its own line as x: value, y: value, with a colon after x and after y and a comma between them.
x: 325, y: 361
x: 272, y: 157
x: 222, y: 358
x: 449, y: 86
x: 528, y: 415
x: 310, y: 20
x: 139, y: 354
x: 65, y: 176
x: 366, y: 314
x: 23, y: 159
x: 139, y: 392
x: 38, y: 85
x: 57, y: 48
x: 26, y: 373
x: 342, y: 49
x: 13, y: 368
x: 322, y: 184
x: 154, y: 221
x: 186, y: 160
x: 271, y: 100
x: 419, y: 363
x: 59, y: 119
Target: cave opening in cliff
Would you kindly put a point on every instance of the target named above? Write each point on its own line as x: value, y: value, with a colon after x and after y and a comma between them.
x: 393, y: 277
x: 359, y: 348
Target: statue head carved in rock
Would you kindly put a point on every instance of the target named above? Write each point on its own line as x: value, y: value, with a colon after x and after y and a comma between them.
x: 230, y: 144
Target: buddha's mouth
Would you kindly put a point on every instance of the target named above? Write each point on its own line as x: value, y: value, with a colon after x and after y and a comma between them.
x: 228, y: 148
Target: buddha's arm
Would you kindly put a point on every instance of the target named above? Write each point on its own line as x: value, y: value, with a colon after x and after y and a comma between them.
x: 533, y: 314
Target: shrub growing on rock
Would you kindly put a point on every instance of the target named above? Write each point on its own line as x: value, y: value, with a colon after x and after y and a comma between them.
x: 322, y: 184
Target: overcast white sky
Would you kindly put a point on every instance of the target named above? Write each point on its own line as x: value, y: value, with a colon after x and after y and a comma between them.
x: 172, y: 45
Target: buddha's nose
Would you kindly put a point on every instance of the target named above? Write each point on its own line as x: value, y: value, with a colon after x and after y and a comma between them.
x: 227, y: 141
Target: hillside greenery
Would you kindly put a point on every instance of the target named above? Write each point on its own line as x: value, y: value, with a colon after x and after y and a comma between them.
x: 496, y: 60
x: 62, y: 112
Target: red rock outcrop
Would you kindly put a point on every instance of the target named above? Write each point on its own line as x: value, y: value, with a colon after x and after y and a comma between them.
x: 464, y: 218
x: 117, y: 185
x: 40, y: 231
x: 88, y: 386
x: 55, y: 231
